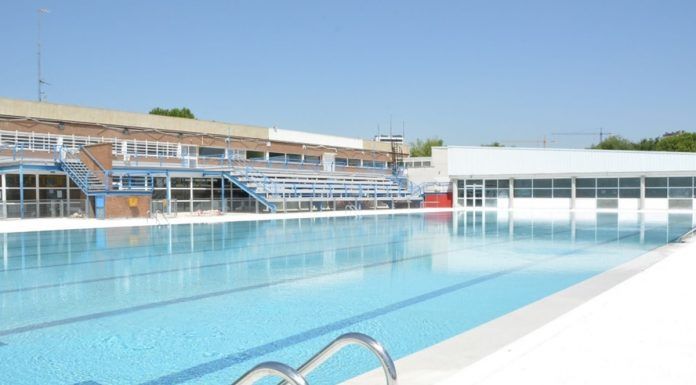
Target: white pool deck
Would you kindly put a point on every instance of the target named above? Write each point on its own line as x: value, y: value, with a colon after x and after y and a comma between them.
x: 634, y: 324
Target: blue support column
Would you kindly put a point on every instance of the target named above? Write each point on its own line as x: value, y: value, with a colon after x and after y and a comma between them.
x: 21, y: 191
x: 169, y: 194
x: 222, y: 197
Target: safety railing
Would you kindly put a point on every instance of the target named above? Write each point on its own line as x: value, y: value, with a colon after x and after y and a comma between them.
x: 293, y: 377
x: 271, y: 369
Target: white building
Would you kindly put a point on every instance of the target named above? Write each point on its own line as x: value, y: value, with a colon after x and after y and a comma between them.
x: 509, y: 177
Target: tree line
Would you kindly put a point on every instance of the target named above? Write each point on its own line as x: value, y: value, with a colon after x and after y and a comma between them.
x: 679, y: 141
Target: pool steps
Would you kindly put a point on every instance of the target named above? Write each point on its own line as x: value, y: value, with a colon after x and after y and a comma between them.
x: 291, y: 376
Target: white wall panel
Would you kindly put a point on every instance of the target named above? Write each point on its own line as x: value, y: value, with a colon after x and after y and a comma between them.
x: 314, y: 139
x: 489, y: 161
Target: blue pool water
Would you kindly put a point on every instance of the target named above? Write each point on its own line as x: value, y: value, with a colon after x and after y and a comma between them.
x: 202, y: 303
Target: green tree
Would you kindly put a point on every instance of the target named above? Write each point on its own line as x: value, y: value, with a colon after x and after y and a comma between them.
x: 425, y: 147
x: 615, y: 143
x: 494, y: 144
x: 175, y: 112
x: 649, y: 144
x: 680, y: 142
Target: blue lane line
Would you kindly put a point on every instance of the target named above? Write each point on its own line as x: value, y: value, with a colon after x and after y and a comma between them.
x: 198, y: 267
x: 261, y: 350
x: 154, y: 305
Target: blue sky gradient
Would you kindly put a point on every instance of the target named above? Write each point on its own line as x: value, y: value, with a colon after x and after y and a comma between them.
x: 471, y: 72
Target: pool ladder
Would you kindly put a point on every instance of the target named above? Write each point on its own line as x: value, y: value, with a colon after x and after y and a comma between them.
x: 686, y: 235
x: 291, y: 376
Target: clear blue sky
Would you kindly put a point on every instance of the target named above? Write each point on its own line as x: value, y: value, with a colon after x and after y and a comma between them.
x: 471, y: 72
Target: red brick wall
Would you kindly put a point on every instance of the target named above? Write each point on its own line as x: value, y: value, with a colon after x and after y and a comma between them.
x: 101, y: 152
x: 118, y: 207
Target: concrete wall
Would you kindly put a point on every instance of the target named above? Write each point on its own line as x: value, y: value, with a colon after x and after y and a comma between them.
x: 76, y: 114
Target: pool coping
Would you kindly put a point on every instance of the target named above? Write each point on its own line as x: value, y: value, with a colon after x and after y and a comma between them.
x: 50, y: 224
x: 445, y: 359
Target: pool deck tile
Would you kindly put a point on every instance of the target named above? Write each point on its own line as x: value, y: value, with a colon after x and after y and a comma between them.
x: 630, y: 325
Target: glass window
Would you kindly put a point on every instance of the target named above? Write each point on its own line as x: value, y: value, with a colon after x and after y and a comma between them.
x: 542, y: 193
x: 607, y: 192
x: 679, y: 192
x: 629, y: 182
x: 491, y: 183
x: 255, y: 155
x: 655, y: 182
x: 56, y: 181
x: 561, y: 193
x: 201, y: 194
x: 585, y: 193
x: 315, y: 159
x: 542, y: 183
x: 29, y: 180
x: 585, y: 183
x: 607, y: 182
x: 656, y: 193
x: 341, y: 162
x: 296, y: 158
x: 460, y: 183
x: 354, y: 162
x: 474, y: 182
x: 211, y: 152
x: 181, y: 182
x: 52, y: 194
x: 13, y: 195
x: 201, y: 183
x: 503, y: 193
x: 12, y: 180
x: 629, y: 193
x: 182, y: 195
x: 503, y: 183
x: 523, y: 183
x: 680, y: 182
x: 523, y: 193
x: 562, y: 183
x: 491, y: 193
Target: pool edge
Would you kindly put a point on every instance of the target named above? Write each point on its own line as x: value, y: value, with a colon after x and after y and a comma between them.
x: 445, y: 359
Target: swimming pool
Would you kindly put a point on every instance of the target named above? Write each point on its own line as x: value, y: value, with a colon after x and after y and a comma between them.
x: 202, y: 303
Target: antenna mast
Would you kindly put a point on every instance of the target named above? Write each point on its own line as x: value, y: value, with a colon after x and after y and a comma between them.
x: 39, y: 79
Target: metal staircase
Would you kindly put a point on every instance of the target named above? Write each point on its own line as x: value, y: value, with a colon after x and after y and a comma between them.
x: 298, y: 377
x: 254, y: 194
x: 89, y: 181
x: 298, y: 189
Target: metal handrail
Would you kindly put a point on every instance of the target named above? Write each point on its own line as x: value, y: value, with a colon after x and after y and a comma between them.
x: 352, y: 339
x: 687, y: 234
x: 275, y: 369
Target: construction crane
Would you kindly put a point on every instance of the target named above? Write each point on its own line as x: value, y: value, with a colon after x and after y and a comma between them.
x: 601, y: 134
x: 543, y: 141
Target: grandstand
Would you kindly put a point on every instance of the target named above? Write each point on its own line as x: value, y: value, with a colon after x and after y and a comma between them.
x: 58, y: 160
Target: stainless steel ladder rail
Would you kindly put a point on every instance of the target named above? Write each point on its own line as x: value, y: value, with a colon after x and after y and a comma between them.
x: 683, y: 237
x: 268, y: 369
x: 351, y: 339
